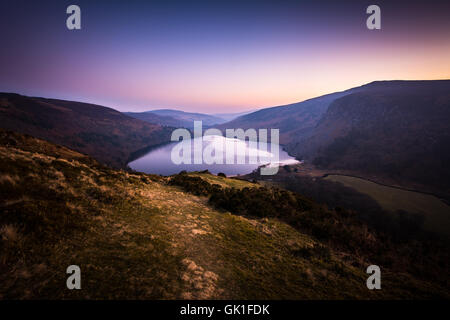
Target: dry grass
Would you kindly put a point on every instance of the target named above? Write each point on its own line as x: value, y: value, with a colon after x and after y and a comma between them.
x: 9, y: 233
x: 136, y: 237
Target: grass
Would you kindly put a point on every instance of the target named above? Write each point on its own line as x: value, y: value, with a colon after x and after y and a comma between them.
x: 135, y: 236
x: 435, y: 211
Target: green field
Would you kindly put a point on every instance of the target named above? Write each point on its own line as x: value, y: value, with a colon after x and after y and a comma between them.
x: 436, y: 212
x: 226, y: 183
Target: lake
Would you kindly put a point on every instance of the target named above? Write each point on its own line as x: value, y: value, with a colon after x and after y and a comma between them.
x: 159, y: 160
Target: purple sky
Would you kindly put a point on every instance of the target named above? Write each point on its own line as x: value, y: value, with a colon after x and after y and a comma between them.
x: 215, y: 56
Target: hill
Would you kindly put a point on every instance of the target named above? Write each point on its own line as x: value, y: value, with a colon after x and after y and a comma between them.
x: 103, y: 133
x: 154, y: 118
x: 294, y: 120
x: 391, y: 131
x: 189, y: 236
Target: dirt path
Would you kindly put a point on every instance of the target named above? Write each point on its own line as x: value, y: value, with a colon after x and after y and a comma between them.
x: 188, y: 219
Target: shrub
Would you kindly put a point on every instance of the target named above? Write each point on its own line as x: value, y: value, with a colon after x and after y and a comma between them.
x: 340, y: 229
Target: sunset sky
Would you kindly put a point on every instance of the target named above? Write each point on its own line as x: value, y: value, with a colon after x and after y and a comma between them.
x: 215, y: 56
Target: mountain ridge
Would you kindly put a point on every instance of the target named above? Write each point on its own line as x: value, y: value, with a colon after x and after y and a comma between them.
x: 102, y: 132
x: 286, y: 117
x: 396, y: 129
x: 176, y: 118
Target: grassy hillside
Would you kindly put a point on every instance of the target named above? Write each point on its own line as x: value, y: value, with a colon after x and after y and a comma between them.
x: 103, y: 133
x: 402, y: 212
x: 139, y: 236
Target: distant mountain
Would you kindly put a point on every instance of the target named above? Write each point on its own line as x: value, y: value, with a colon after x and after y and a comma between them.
x: 176, y: 118
x: 154, y: 118
x: 294, y: 120
x: 103, y: 133
x: 394, y: 129
x: 208, y: 120
x: 231, y: 116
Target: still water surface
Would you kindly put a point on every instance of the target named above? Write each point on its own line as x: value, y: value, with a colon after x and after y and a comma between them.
x: 159, y: 160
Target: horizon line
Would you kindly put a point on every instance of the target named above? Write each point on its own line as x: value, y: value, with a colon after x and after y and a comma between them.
x: 254, y: 109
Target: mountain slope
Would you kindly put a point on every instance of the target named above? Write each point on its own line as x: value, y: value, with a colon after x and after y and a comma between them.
x: 294, y: 120
x: 104, y: 133
x: 396, y: 129
x: 138, y: 236
x: 154, y: 118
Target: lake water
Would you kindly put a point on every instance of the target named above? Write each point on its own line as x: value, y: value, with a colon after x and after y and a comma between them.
x: 159, y: 160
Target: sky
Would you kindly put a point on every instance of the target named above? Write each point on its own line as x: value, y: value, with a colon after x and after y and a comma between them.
x: 215, y: 56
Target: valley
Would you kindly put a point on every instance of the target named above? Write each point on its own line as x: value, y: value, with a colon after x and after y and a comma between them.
x: 436, y: 212
x: 360, y: 194
x: 308, y: 232
x: 225, y: 158
x: 140, y: 236
x: 182, y: 119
